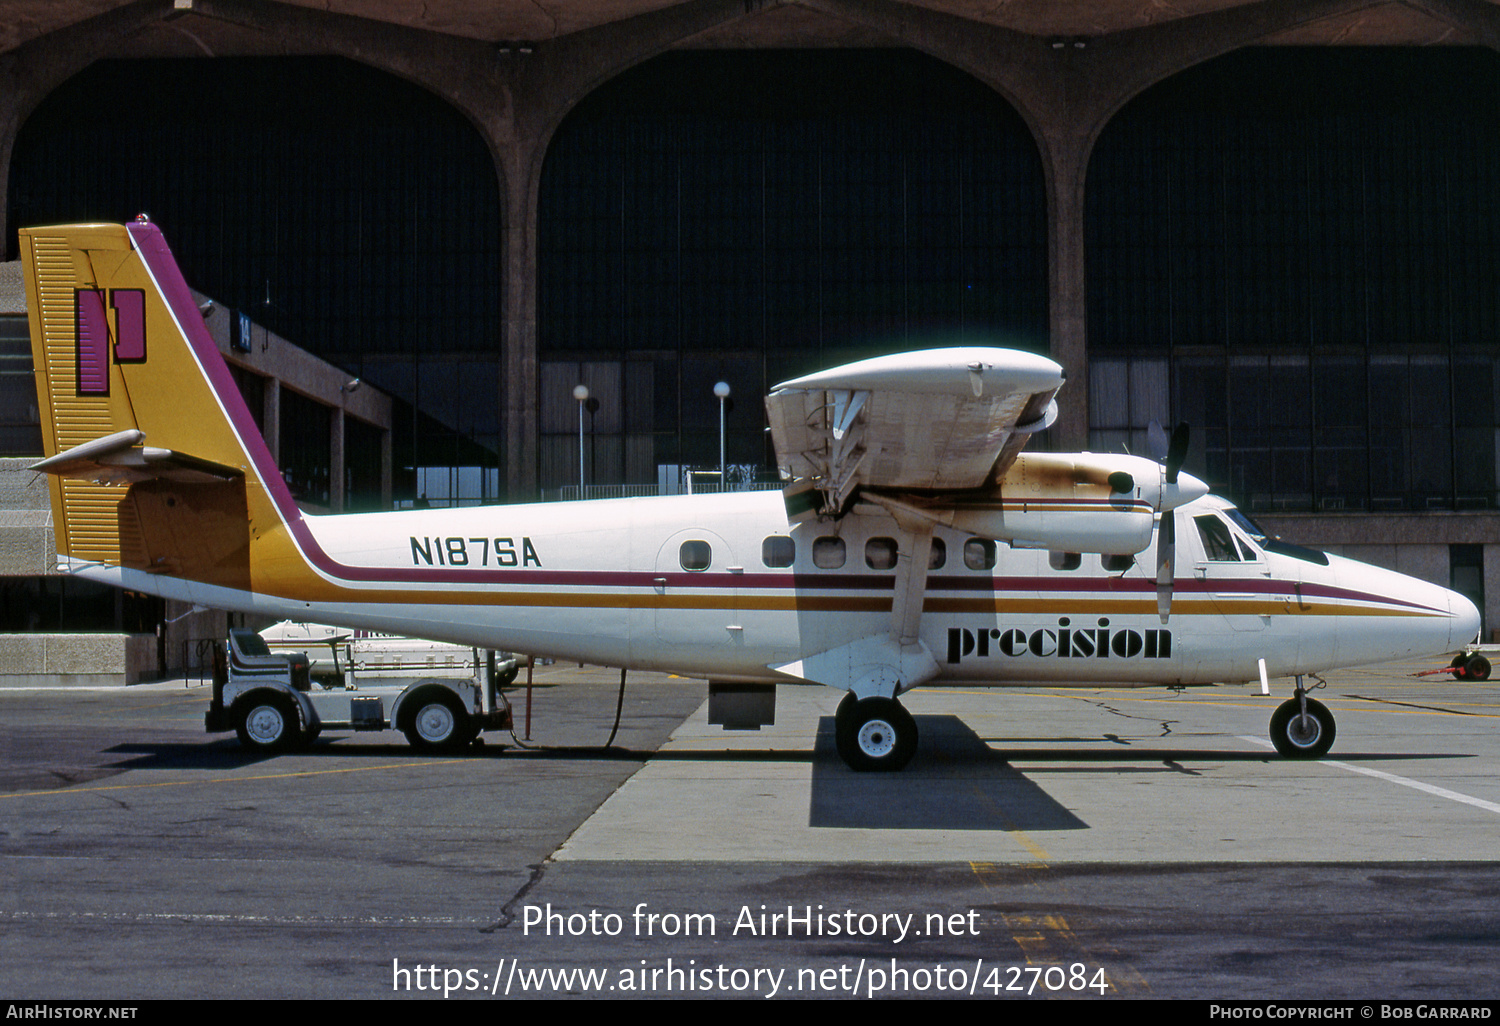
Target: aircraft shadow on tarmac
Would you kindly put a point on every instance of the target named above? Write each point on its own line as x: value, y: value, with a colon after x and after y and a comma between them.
x: 960, y: 781
x: 955, y: 782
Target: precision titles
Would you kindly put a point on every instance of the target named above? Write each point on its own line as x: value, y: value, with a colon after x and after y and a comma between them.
x: 1064, y: 641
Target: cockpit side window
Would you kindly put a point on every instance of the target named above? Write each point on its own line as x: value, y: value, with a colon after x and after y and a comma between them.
x: 1218, y: 542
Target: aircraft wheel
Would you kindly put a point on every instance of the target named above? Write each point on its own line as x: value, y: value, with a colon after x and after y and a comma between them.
x: 874, y: 733
x: 1470, y: 667
x: 439, y: 724
x: 1296, y: 741
x: 267, y: 723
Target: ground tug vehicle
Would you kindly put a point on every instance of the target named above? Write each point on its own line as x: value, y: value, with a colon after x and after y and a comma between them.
x: 270, y: 701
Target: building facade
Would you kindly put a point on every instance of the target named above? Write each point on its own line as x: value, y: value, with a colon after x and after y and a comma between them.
x: 1271, y: 220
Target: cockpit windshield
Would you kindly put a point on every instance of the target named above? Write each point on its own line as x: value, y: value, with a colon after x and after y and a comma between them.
x: 1254, y: 531
x: 1270, y: 542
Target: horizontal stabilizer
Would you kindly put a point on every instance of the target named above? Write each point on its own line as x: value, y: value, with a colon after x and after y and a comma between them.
x: 120, y: 458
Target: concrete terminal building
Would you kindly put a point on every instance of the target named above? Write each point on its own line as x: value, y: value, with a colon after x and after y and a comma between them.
x: 1278, y: 220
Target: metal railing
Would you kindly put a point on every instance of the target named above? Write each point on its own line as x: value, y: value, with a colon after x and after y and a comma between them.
x: 571, y: 493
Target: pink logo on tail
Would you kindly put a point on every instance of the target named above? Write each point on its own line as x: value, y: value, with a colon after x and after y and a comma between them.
x: 91, y: 321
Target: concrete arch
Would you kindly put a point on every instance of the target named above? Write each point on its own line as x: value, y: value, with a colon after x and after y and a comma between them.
x: 33, y: 70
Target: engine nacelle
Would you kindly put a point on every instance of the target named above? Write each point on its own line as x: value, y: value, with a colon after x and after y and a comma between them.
x: 1079, y: 502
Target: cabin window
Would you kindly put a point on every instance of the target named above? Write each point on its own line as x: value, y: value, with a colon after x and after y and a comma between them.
x: 1117, y: 564
x: 979, y: 554
x: 1065, y: 560
x: 880, y: 553
x: 939, y: 555
x: 778, y: 551
x: 1218, y: 543
x: 695, y: 555
x: 828, y: 553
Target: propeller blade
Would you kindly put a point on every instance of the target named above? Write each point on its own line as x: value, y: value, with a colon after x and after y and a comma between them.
x: 1177, y: 454
x: 1157, y: 442
x: 1166, y: 563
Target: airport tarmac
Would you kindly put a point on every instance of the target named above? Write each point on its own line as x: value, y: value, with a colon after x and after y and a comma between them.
x: 1055, y: 842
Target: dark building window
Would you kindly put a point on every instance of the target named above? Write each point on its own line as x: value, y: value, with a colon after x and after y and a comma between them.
x: 306, y: 457
x: 748, y: 217
x: 362, y: 463
x: 62, y: 604
x: 20, y: 421
x: 1298, y: 251
x: 351, y: 212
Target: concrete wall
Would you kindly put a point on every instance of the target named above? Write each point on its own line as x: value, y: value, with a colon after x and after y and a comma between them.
x: 98, y: 659
x: 27, y: 544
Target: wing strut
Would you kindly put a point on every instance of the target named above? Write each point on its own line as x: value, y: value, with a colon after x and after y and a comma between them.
x: 884, y: 665
x: 912, y: 563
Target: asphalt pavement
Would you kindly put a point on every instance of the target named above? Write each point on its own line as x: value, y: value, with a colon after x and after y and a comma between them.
x: 1044, y: 843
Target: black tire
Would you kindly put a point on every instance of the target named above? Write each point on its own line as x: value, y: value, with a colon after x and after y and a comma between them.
x: 1295, y: 742
x: 1477, y: 667
x: 266, y: 722
x: 874, y: 734
x: 438, y: 722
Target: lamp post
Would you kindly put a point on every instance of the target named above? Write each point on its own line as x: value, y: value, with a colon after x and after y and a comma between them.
x: 722, y: 391
x: 581, y: 393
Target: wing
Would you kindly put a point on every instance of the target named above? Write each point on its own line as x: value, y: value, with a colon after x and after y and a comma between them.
x: 935, y: 420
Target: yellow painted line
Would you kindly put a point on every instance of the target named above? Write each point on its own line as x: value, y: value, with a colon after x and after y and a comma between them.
x: 1037, y: 937
x: 1036, y: 850
x: 1020, y: 836
x: 226, y: 780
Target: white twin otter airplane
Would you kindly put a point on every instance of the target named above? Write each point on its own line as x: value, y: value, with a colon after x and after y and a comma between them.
x: 914, y: 544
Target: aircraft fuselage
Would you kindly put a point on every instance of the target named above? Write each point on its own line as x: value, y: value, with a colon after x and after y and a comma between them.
x: 721, y: 586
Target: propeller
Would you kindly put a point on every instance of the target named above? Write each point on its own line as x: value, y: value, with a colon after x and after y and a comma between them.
x: 1166, y: 540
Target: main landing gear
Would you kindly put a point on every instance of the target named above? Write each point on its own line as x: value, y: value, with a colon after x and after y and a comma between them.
x: 1302, y: 728
x: 874, y: 733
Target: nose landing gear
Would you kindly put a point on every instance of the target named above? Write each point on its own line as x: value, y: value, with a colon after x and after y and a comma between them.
x: 1302, y: 728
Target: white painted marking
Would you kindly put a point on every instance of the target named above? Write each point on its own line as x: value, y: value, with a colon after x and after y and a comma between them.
x: 1441, y: 792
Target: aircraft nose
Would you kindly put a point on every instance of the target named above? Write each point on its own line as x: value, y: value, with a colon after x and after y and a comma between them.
x: 1183, y: 492
x: 1464, y: 626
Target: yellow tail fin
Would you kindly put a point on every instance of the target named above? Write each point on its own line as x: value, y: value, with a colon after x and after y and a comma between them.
x: 156, y: 463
